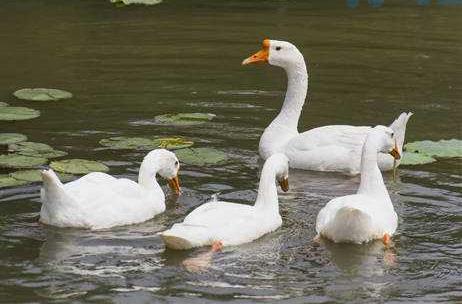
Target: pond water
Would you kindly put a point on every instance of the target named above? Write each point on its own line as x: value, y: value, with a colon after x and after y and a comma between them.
x: 368, y: 61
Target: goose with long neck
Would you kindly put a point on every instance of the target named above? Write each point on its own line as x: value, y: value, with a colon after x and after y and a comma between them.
x: 219, y: 223
x: 368, y: 214
x: 98, y: 200
x: 328, y: 148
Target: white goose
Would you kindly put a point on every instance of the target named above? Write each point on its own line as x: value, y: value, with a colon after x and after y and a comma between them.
x: 98, y: 200
x: 220, y: 224
x: 368, y: 214
x: 328, y: 148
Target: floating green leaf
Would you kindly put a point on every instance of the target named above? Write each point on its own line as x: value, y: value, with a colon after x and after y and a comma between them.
x: 36, y: 149
x: 18, y: 113
x: 173, y: 143
x: 411, y: 158
x: 36, y: 176
x: 41, y: 94
x: 146, y: 143
x: 201, y: 156
x: 443, y: 148
x: 128, y: 2
x: 21, y: 161
x: 78, y: 166
x: 11, y: 138
x: 184, y: 119
x: 8, y: 181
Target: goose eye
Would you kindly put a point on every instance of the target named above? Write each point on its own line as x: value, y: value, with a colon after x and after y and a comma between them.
x: 278, y: 48
x: 392, y: 134
x: 176, y: 163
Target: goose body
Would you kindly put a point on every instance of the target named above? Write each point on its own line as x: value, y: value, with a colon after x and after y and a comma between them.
x: 98, y: 200
x: 231, y: 223
x: 329, y: 148
x: 369, y: 214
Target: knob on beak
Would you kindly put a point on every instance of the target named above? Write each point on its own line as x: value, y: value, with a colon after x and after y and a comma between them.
x: 260, y: 56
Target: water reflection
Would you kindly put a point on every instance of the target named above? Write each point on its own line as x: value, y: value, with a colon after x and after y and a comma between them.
x: 379, y: 3
x: 369, y: 259
x: 102, y: 253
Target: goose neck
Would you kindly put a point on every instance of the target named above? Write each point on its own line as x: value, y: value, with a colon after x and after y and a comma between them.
x: 297, y: 86
x: 371, y: 177
x: 267, y: 198
x: 147, y: 175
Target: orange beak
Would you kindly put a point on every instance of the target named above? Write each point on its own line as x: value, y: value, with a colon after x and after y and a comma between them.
x: 260, y: 56
x: 284, y: 183
x: 395, y: 152
x: 174, y: 184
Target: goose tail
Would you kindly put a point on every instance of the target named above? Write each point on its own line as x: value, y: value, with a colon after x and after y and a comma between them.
x: 52, y: 188
x: 350, y: 225
x: 399, y: 128
x: 183, y: 236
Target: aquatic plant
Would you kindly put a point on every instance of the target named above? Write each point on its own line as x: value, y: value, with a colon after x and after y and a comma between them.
x: 11, y: 138
x: 42, y: 94
x: 201, y: 156
x: 8, y: 181
x: 36, y: 176
x: 15, y: 160
x: 17, y: 113
x: 183, y: 119
x: 78, y: 166
x: 35, y: 149
x: 146, y: 143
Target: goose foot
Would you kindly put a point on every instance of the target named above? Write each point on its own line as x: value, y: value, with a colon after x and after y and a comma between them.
x: 389, y: 258
x: 317, y: 239
x: 203, y: 260
x: 386, y: 239
x: 217, y: 246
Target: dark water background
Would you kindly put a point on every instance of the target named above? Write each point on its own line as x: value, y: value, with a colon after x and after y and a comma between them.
x: 368, y: 62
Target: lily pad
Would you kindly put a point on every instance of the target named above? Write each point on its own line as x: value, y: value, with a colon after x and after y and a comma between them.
x: 201, y: 156
x: 41, y: 94
x: 35, y: 149
x: 146, y: 143
x: 8, y: 181
x: 21, y: 161
x: 411, y: 158
x: 184, y: 119
x: 78, y: 166
x: 36, y: 176
x: 128, y: 2
x: 11, y: 138
x: 443, y: 148
x: 18, y: 113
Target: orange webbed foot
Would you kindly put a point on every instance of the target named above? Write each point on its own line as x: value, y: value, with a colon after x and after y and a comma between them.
x: 217, y: 246
x: 386, y: 239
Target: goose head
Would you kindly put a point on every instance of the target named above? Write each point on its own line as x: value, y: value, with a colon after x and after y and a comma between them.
x: 280, y: 164
x: 385, y: 140
x: 278, y: 53
x: 164, y: 163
